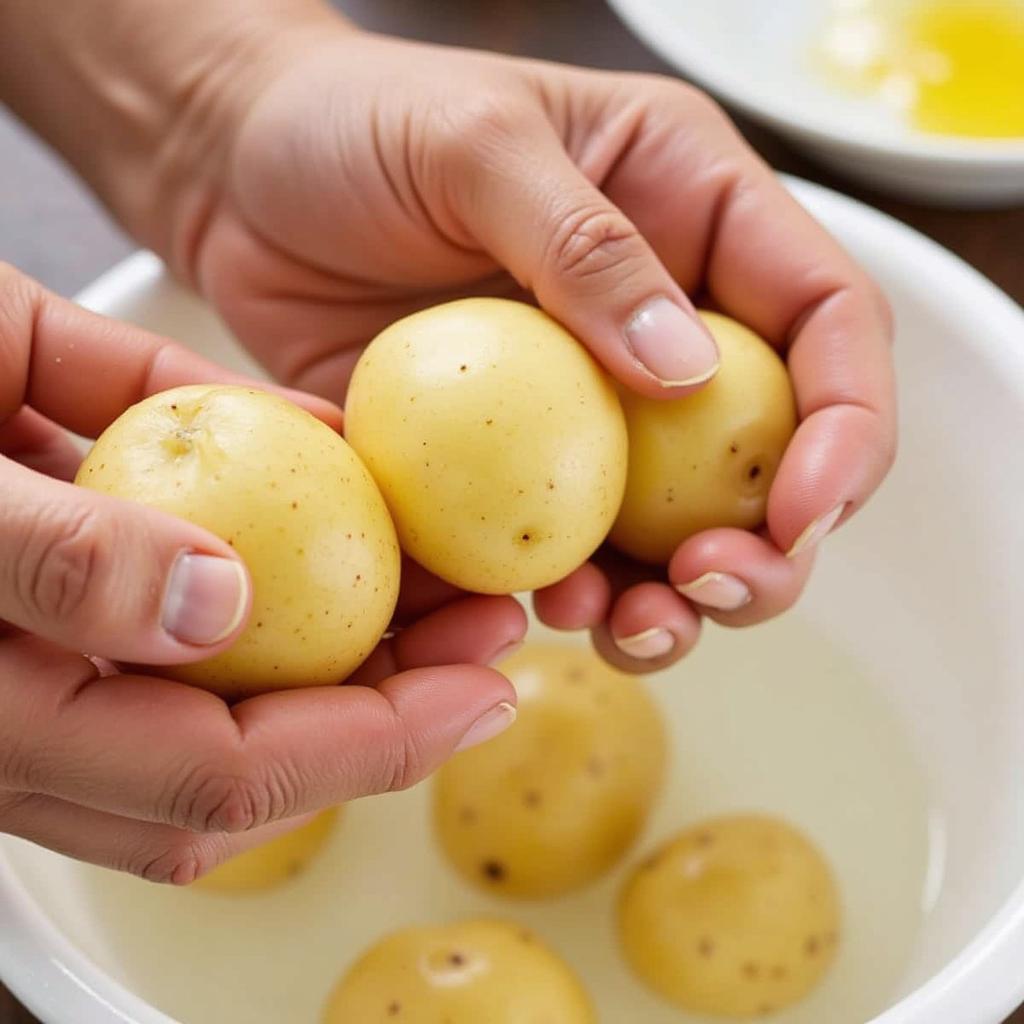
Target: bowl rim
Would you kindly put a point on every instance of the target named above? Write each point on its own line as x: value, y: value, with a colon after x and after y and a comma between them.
x: 657, y: 24
x: 60, y: 982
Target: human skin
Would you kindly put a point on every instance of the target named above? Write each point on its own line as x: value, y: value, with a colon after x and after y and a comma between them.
x: 315, y: 183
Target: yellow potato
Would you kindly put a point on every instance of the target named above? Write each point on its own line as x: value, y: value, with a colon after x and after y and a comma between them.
x: 735, y: 917
x: 556, y: 800
x: 272, y: 863
x: 296, y: 503
x: 473, y: 972
x: 708, y: 459
x: 498, y: 443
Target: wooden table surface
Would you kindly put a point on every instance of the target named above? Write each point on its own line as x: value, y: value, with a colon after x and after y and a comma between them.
x: 59, y: 235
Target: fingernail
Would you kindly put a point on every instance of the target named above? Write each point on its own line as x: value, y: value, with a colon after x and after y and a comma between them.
x: 490, y: 724
x: 816, y: 532
x: 717, y: 590
x: 205, y: 600
x: 506, y: 652
x: 674, y: 347
x: 651, y: 643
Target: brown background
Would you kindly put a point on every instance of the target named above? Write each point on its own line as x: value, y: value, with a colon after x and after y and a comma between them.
x: 50, y: 228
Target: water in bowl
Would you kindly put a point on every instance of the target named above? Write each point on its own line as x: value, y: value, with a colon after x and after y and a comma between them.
x: 775, y: 718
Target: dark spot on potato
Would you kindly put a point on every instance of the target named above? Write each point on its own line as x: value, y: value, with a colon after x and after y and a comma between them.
x: 525, y: 538
x: 293, y: 867
x: 493, y: 871
x: 734, y: 449
x: 532, y: 798
x: 751, y: 971
x: 394, y: 1008
x: 596, y: 767
x: 463, y: 368
x: 704, y: 839
x: 457, y: 959
x: 295, y: 504
x: 575, y: 675
x: 468, y: 816
x: 812, y: 947
x: 705, y: 948
x: 765, y: 1008
x: 174, y: 406
x: 754, y: 472
x: 259, y: 625
x: 488, y: 423
x: 525, y: 936
x: 779, y: 972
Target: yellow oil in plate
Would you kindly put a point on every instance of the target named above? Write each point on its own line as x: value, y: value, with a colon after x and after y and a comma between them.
x: 775, y: 719
x: 952, y: 67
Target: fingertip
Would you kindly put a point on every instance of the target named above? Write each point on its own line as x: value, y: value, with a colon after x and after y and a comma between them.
x: 580, y: 601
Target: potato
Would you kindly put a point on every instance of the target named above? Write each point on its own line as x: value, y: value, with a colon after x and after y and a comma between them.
x: 735, y: 917
x: 295, y: 502
x: 708, y: 459
x: 497, y: 441
x: 266, y: 866
x: 473, y: 972
x: 557, y: 800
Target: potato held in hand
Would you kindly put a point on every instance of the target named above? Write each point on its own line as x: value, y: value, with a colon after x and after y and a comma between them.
x: 293, y: 500
x: 474, y: 972
x: 273, y: 863
x: 735, y: 917
x: 497, y: 441
x: 556, y: 800
x: 709, y: 459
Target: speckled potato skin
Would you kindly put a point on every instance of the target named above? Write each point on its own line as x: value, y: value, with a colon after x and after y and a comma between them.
x: 498, y: 442
x: 273, y: 863
x: 558, y: 799
x: 292, y: 498
x: 735, y: 917
x: 473, y: 972
x: 709, y: 459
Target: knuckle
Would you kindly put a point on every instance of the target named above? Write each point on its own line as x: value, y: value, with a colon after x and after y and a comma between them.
x: 678, y: 94
x: 405, y: 764
x: 479, y: 122
x: 55, y: 567
x: 180, y: 860
x: 215, y: 800
x: 594, y: 242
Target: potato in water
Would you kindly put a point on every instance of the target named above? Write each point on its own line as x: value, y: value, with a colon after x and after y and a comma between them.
x: 708, y: 459
x: 735, y: 917
x: 274, y: 862
x: 497, y: 440
x: 557, y: 800
x: 294, y: 501
x: 474, y: 972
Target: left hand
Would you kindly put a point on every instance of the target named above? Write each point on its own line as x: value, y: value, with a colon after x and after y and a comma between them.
x: 355, y: 179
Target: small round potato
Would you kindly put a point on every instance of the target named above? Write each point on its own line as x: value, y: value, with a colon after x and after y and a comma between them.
x: 294, y: 501
x: 474, y: 972
x: 498, y: 442
x: 559, y: 798
x: 272, y: 863
x: 735, y: 917
x: 709, y: 459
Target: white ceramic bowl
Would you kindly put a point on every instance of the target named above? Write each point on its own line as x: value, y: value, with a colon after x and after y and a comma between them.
x: 754, y: 56
x: 924, y: 589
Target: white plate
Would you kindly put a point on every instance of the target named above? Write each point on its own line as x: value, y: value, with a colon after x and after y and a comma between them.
x: 754, y: 56
x: 924, y: 590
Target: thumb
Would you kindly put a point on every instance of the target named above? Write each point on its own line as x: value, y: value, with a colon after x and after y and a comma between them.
x: 538, y: 215
x: 113, y: 578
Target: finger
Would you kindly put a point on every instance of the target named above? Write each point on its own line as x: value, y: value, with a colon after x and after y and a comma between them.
x: 39, y: 444
x: 51, y: 351
x: 422, y: 592
x: 161, y: 751
x: 650, y: 627
x: 738, y: 578
x: 580, y: 601
x: 158, y: 853
x: 723, y: 220
x: 114, y: 578
x: 475, y: 630
x: 516, y: 192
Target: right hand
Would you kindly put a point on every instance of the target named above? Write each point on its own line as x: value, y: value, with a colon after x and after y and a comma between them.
x: 144, y: 774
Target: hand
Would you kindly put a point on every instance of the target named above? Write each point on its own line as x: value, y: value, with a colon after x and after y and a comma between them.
x: 359, y: 178
x: 141, y: 773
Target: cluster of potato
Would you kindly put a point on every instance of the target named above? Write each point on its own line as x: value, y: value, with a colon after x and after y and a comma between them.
x: 482, y: 438
x: 483, y: 441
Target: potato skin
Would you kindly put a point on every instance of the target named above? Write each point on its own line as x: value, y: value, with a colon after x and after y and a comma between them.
x: 294, y: 501
x: 473, y: 972
x: 558, y: 799
x: 498, y: 442
x: 708, y: 459
x: 273, y: 863
x: 735, y: 917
